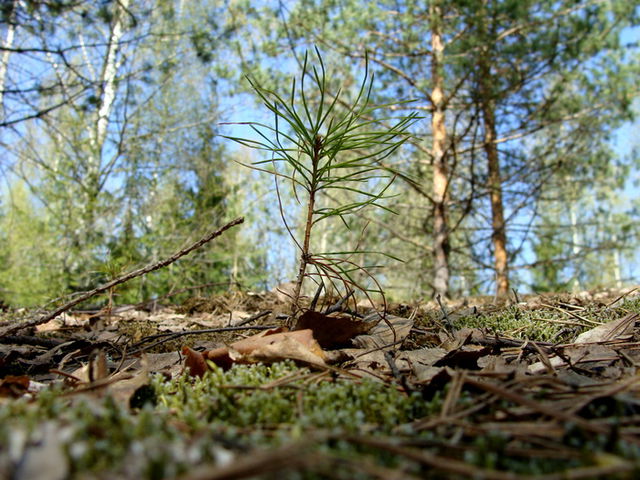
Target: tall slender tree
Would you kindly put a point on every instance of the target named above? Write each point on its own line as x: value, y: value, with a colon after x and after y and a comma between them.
x: 532, y: 66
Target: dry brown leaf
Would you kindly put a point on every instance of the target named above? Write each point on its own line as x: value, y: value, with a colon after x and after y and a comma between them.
x: 286, y: 347
x: 388, y: 333
x: 464, y: 357
x: 194, y: 361
x: 332, y: 330
x: 124, y: 387
x: 419, y: 362
x: 271, y: 345
x: 14, y: 386
x: 94, y: 370
x: 498, y: 365
x: 614, y: 330
x: 422, y: 362
x: 162, y: 362
x: 459, y: 338
x: 590, y: 353
x: 579, y: 354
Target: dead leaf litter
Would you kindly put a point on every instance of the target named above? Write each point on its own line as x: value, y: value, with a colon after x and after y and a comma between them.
x: 505, y: 398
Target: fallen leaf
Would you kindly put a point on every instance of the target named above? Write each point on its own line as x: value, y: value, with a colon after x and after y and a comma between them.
x: 464, y: 357
x: 422, y: 362
x: 436, y: 382
x: 271, y: 345
x: 426, y: 373
x: 616, y: 329
x: 419, y: 362
x: 579, y: 354
x: 590, y: 353
x: 498, y: 365
x: 195, y: 362
x: 460, y: 338
x: 122, y: 390
x: 332, y: 330
x: 287, y: 347
x: 161, y: 362
x: 14, y: 386
x: 388, y: 333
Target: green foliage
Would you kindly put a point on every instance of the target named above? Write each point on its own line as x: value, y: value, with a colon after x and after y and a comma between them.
x: 318, y: 148
x: 560, y: 82
x: 29, y: 257
x: 548, y: 272
x: 138, y: 184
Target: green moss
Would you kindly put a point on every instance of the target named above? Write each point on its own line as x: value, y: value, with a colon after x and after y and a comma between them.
x: 194, y: 420
x: 197, y: 421
x: 306, y: 402
x: 513, y: 321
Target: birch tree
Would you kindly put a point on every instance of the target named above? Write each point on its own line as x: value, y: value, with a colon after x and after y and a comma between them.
x: 105, y: 165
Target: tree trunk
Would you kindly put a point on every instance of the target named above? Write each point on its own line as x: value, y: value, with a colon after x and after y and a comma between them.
x: 108, y: 76
x: 499, y: 234
x: 8, y: 43
x: 440, y: 170
x: 576, y: 242
x: 111, y: 62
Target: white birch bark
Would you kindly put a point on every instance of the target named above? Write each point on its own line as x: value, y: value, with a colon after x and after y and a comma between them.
x: 108, y: 77
x: 7, y: 44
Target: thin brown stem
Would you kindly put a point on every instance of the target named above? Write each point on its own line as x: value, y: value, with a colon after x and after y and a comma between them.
x: 305, y: 253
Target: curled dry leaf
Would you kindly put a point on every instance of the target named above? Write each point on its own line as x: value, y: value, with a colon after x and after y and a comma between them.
x: 465, y: 357
x: 269, y: 346
x: 286, y: 347
x: 419, y: 363
x: 194, y: 361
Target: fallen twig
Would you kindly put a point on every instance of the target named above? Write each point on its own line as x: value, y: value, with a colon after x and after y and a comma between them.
x: 252, y: 318
x: 124, y: 278
x: 169, y: 336
x: 622, y: 296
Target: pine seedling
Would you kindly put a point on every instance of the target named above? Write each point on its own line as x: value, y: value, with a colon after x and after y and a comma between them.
x: 320, y: 144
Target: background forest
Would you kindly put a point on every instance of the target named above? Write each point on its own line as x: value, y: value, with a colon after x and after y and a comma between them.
x: 520, y: 174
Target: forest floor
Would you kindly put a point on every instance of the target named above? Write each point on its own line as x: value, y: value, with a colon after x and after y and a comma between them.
x: 536, y: 387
